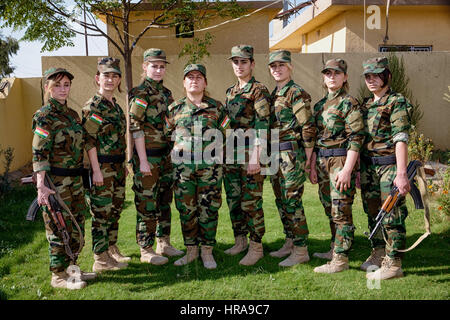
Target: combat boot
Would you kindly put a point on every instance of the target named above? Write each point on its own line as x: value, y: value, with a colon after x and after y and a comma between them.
x: 255, y: 252
x: 338, y: 263
x: 240, y: 244
x: 103, y: 262
x: 284, y: 250
x: 116, y: 255
x: 207, y: 257
x: 390, y: 268
x: 60, y: 280
x: 375, y: 259
x: 325, y: 255
x: 149, y: 256
x: 191, y: 255
x: 164, y: 248
x: 298, y: 255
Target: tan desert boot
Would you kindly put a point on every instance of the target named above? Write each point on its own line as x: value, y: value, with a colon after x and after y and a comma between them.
x: 164, y: 248
x: 337, y: 264
x: 240, y: 244
x: 375, y: 259
x: 285, y: 250
x: 104, y: 262
x: 298, y: 255
x: 255, y: 252
x: 116, y: 255
x: 60, y: 280
x: 207, y: 257
x: 150, y: 256
x: 325, y: 255
x: 390, y: 268
x: 191, y: 255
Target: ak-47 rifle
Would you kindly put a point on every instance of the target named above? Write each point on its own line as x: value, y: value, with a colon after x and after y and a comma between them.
x: 394, y: 196
x: 56, y: 215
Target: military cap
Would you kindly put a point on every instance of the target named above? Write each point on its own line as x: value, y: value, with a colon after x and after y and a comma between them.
x: 194, y: 67
x: 154, y: 54
x: 375, y: 65
x: 109, y: 65
x: 242, y: 51
x: 280, y: 56
x: 335, y: 64
x: 54, y: 71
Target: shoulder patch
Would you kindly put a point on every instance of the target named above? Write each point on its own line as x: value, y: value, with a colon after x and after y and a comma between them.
x: 41, y: 132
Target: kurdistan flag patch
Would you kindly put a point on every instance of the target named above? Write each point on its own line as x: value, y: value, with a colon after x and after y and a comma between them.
x: 41, y: 132
x: 96, y: 118
x: 225, y: 123
x: 141, y: 103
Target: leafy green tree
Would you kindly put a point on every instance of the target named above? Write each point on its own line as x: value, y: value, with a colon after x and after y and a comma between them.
x: 8, y: 47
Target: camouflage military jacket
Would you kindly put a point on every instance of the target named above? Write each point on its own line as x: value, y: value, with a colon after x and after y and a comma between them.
x: 105, y: 126
x: 190, y: 122
x: 248, y: 107
x: 292, y: 114
x: 58, y: 137
x: 339, y: 121
x: 148, y: 104
x: 386, y: 122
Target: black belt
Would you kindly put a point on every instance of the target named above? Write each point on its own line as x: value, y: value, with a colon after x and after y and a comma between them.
x: 381, y: 161
x: 65, y: 172
x: 289, y: 145
x: 336, y: 152
x: 118, y: 158
x: 191, y: 155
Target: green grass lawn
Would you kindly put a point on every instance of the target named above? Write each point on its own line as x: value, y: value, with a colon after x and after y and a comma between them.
x: 24, y: 270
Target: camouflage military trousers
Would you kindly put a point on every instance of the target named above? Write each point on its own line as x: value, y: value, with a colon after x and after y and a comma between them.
x: 72, y: 193
x: 152, y: 197
x: 106, y: 204
x: 337, y: 204
x: 198, y: 197
x: 376, y: 183
x: 244, y: 198
x: 288, y: 189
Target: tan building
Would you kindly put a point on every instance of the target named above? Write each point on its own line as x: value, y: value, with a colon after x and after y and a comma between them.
x: 253, y: 28
x: 348, y: 26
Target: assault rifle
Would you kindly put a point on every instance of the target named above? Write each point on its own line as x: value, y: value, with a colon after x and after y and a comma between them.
x: 394, y: 196
x: 56, y: 215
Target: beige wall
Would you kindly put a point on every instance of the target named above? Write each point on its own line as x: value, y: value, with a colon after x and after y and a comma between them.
x: 428, y: 82
x: 16, y: 110
x: 252, y: 30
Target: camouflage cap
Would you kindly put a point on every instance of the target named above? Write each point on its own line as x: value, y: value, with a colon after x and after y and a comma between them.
x: 194, y: 67
x: 280, y: 56
x: 54, y: 71
x: 109, y: 65
x: 242, y: 51
x: 335, y: 64
x: 155, y: 54
x: 375, y: 65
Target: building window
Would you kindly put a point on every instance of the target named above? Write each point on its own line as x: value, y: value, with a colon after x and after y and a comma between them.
x: 392, y: 48
x: 184, y: 30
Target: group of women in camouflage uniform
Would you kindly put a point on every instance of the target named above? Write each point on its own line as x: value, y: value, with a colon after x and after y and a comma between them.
x: 330, y: 143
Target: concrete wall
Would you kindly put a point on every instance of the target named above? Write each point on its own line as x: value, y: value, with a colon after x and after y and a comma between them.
x: 16, y: 110
x: 429, y: 82
x: 252, y: 30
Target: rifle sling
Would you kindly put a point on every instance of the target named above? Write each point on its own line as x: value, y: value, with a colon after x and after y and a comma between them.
x: 64, y: 206
x: 421, y: 181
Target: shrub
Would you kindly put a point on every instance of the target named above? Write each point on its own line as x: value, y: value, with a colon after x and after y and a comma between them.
x: 419, y: 147
x: 5, y: 184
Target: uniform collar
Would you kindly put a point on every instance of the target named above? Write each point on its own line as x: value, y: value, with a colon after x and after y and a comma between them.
x: 204, y: 104
x: 246, y: 88
x: 286, y: 87
x: 153, y: 83
x: 333, y: 95
x: 58, y: 106
x: 102, y: 98
x: 383, y: 99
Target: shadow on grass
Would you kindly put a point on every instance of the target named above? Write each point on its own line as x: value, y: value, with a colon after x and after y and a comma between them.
x: 426, y: 260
